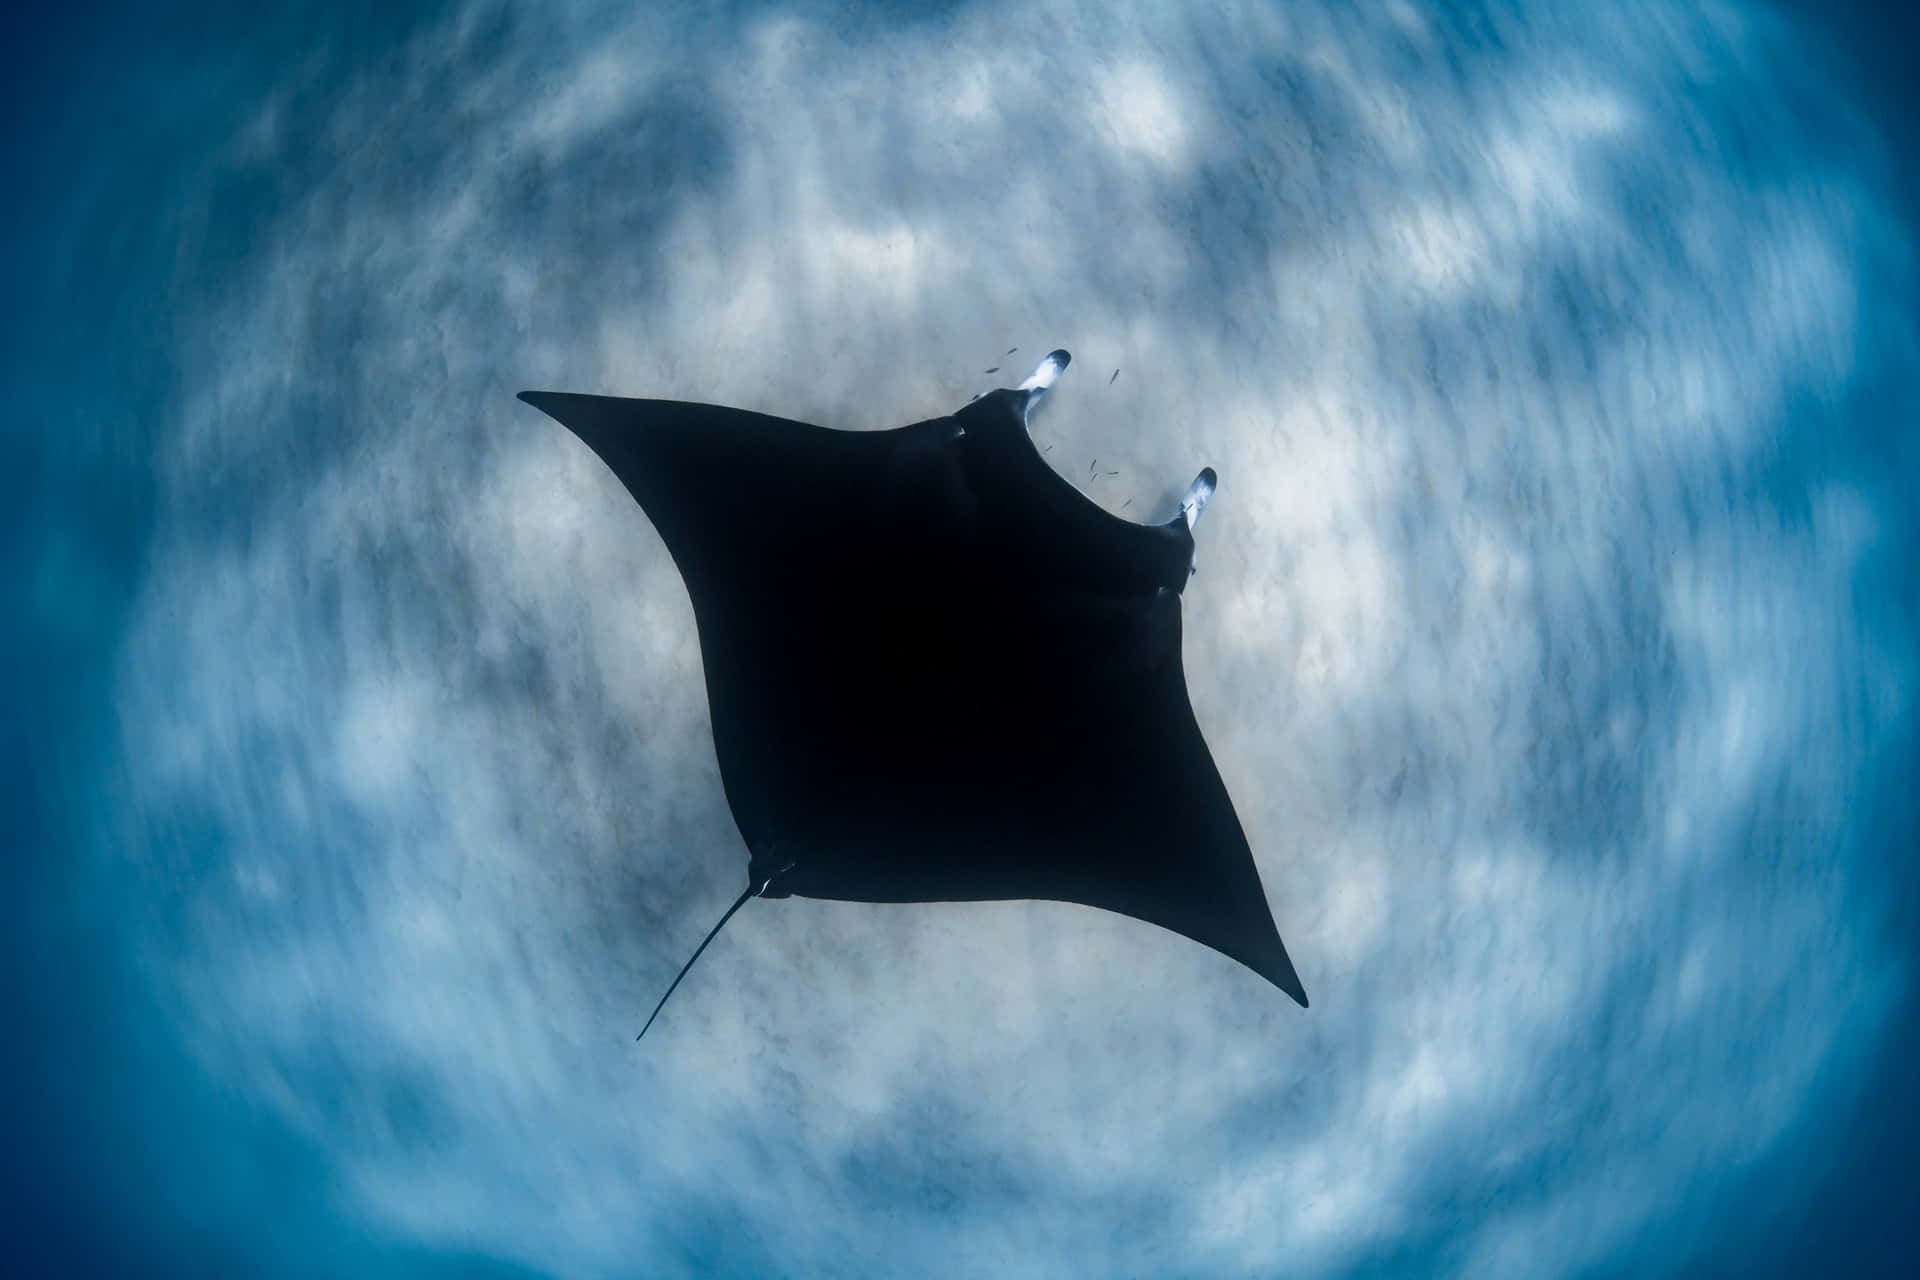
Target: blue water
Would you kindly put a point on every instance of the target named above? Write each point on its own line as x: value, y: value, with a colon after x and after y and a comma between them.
x: 147, y: 1136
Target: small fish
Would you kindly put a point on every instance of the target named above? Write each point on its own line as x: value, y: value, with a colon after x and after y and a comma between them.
x: 1011, y: 350
x: 1116, y: 373
x: 1048, y: 449
x: 1091, y: 466
x: 1109, y: 473
x: 1126, y: 504
x: 995, y: 369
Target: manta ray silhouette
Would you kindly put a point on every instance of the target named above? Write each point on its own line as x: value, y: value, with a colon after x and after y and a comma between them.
x: 937, y: 672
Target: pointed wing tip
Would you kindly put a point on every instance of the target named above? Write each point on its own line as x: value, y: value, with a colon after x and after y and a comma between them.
x: 1278, y: 969
x: 1289, y: 981
x: 555, y: 404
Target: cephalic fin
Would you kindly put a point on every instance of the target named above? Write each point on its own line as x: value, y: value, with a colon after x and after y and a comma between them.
x: 1198, y: 494
x: 1046, y: 371
x: 1041, y: 378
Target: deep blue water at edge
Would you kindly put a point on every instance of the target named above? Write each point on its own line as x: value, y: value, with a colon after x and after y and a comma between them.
x: 95, y: 1179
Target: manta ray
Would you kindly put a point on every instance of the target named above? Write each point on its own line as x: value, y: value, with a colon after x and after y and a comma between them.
x: 937, y: 671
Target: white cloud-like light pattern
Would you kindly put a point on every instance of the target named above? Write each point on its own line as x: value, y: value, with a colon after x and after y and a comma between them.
x: 1541, y: 705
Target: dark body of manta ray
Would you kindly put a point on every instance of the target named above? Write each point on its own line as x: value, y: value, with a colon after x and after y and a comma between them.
x: 938, y: 672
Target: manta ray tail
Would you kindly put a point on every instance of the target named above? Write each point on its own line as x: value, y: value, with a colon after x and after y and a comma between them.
x: 711, y: 934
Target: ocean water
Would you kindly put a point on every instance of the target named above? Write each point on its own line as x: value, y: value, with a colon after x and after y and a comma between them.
x: 1554, y: 632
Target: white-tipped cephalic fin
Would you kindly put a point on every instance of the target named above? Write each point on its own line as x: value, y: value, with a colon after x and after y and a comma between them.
x: 1049, y: 369
x: 1043, y: 377
x: 1198, y: 494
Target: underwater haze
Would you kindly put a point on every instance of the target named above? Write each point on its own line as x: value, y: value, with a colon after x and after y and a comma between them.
x: 1554, y: 633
